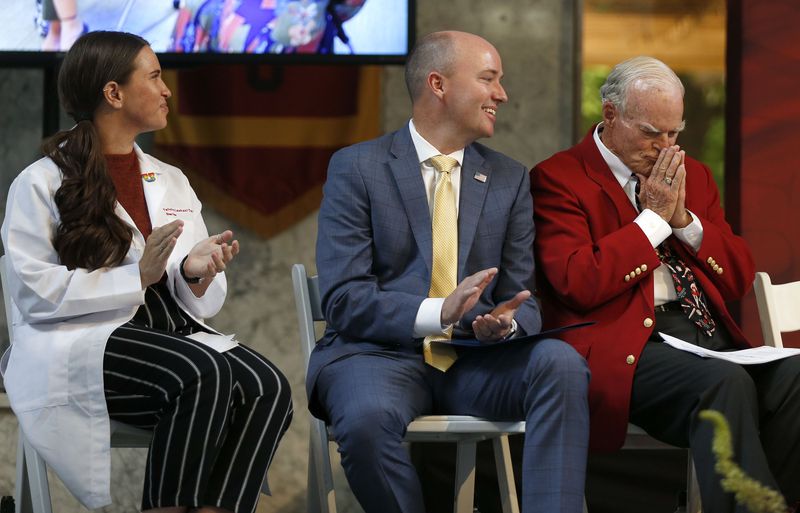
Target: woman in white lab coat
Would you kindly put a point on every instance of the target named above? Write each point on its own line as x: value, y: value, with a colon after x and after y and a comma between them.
x: 111, y: 270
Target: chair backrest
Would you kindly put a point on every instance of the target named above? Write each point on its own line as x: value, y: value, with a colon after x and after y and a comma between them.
x: 7, y: 301
x: 778, y: 308
x: 309, y: 309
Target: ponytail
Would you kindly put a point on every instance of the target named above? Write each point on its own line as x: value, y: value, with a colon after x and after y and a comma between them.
x: 90, y: 234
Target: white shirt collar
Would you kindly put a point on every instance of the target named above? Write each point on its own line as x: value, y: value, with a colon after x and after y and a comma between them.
x: 621, y: 172
x: 426, y: 150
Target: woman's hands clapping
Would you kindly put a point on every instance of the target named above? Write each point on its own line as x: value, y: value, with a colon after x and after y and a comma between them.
x: 207, y: 258
x: 210, y: 256
x: 157, y: 249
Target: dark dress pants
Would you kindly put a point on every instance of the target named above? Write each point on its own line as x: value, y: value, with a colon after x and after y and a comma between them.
x: 760, y: 402
x: 371, y: 397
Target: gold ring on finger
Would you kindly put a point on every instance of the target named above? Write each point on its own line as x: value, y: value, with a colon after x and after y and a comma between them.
x: 668, y: 181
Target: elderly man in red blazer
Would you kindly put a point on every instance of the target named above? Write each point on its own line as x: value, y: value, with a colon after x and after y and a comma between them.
x: 631, y: 235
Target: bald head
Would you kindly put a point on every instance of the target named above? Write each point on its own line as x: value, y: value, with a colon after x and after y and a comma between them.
x: 437, y: 51
x: 454, y: 82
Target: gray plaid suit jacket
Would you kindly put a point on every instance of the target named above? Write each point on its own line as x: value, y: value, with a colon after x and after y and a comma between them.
x: 374, y: 244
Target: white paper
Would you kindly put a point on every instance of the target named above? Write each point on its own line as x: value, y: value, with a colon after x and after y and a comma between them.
x: 750, y: 356
x: 220, y: 343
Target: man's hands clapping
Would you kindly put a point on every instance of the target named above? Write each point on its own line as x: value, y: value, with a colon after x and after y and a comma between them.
x: 488, y: 327
x: 498, y: 323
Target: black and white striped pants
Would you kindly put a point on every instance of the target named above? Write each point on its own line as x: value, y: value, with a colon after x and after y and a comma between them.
x: 216, y: 417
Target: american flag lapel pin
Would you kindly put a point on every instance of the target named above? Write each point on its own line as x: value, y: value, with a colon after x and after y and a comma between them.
x: 480, y: 177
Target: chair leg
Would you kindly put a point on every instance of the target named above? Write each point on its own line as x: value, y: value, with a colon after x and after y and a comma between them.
x: 505, y: 475
x: 321, y: 494
x: 693, y: 504
x: 313, y: 502
x: 22, y: 487
x: 465, y: 476
x: 36, y: 481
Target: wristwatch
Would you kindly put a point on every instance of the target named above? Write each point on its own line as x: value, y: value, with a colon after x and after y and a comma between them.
x: 192, y: 281
x: 512, y: 331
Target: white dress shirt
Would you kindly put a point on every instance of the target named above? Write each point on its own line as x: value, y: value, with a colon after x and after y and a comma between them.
x: 654, y: 227
x: 429, y: 315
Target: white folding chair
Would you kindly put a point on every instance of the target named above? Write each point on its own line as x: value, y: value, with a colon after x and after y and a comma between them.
x: 778, y: 308
x: 32, y: 490
x: 465, y: 431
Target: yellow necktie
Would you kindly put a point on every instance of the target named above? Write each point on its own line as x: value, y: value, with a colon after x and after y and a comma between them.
x: 445, y: 257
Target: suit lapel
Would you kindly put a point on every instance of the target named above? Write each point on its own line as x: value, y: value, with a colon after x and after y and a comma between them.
x: 598, y: 171
x: 408, y: 177
x: 472, y: 197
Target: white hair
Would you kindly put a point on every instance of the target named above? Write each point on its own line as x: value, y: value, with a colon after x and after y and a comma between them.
x: 644, y: 69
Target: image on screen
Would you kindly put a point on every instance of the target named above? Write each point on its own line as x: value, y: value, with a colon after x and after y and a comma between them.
x: 315, y: 27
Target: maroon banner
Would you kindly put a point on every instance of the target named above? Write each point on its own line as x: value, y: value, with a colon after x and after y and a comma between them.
x: 255, y: 141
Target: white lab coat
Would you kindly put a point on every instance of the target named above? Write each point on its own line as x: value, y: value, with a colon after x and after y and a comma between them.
x: 62, y: 319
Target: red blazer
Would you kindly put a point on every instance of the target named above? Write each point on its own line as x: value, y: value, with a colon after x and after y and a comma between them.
x: 587, y: 244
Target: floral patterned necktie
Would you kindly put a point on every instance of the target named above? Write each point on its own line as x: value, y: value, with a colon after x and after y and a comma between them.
x: 690, y: 295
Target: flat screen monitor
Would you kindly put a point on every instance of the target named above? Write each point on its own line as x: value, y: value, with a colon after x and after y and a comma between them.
x: 34, y: 32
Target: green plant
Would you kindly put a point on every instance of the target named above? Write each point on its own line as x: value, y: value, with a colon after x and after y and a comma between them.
x: 749, y: 492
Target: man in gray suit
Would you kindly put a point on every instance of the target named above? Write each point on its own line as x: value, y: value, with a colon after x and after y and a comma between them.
x: 383, y: 251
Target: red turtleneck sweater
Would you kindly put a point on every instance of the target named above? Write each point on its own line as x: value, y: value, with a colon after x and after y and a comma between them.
x: 127, y: 177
